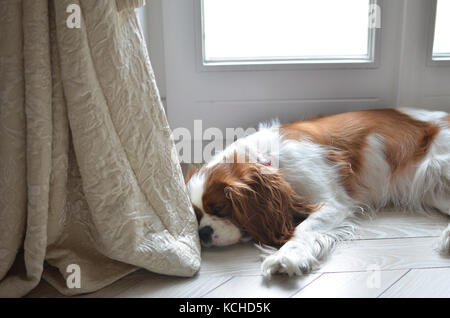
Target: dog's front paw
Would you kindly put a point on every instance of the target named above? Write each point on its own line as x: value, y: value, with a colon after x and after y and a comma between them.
x: 290, y: 260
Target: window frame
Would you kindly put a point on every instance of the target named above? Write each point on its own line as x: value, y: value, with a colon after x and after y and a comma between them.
x: 371, y: 62
x: 431, y: 58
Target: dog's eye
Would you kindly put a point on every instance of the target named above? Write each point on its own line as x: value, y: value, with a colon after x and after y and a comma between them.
x: 218, y: 209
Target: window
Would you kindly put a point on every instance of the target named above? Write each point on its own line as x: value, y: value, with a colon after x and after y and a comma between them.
x: 287, y: 31
x: 441, y: 45
x: 226, y: 94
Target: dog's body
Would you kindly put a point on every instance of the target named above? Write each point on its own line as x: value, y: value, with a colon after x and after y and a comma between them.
x: 329, y: 168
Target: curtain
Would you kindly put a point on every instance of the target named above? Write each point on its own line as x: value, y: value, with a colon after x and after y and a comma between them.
x: 89, y: 174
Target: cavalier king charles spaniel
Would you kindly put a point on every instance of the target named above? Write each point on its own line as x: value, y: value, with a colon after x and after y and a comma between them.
x: 328, y: 169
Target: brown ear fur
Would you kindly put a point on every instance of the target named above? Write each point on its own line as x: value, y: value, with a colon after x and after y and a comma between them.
x: 191, y: 170
x: 264, y: 204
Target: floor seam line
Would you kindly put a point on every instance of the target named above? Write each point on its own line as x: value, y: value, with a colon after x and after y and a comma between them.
x: 390, y: 286
x: 222, y: 283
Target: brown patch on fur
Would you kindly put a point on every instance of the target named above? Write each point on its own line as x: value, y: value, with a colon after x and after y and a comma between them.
x: 198, y: 213
x: 406, y: 140
x: 214, y: 190
x: 190, y: 173
x: 349, y: 178
x: 188, y: 176
x: 257, y: 199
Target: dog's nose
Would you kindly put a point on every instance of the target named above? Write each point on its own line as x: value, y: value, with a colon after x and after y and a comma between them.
x: 205, y: 234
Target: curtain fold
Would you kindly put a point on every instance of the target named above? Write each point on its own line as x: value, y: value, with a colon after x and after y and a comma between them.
x: 129, y: 4
x: 89, y: 173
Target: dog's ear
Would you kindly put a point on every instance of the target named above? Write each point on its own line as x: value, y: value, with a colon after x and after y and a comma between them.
x: 191, y: 170
x: 264, y: 204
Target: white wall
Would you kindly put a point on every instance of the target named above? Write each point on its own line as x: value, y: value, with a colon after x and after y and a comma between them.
x: 421, y: 82
x: 152, y: 24
x: 242, y: 98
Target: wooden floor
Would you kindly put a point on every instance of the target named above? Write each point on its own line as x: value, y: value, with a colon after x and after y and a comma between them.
x: 393, y: 256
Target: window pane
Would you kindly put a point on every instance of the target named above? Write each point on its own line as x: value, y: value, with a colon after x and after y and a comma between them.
x: 442, y: 31
x: 285, y: 29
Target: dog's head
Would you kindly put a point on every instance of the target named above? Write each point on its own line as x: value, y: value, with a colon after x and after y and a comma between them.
x: 236, y: 202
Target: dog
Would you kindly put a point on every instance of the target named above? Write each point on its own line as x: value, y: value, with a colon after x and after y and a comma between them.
x: 328, y: 170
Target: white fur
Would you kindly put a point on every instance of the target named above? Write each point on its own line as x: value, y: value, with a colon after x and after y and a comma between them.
x: 422, y: 187
x: 377, y: 174
x: 195, y: 188
x: 304, y: 165
x: 435, y: 117
x: 224, y: 232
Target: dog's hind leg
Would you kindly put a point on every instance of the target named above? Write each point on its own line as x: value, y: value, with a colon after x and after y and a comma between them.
x: 443, y: 205
x: 441, y: 195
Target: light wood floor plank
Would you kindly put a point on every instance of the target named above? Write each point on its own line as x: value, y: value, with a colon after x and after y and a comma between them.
x: 386, y: 254
x: 120, y: 286
x: 422, y: 283
x: 394, y: 224
x: 391, y: 240
x: 241, y: 259
x: 351, y: 284
x: 279, y: 286
x: 154, y: 285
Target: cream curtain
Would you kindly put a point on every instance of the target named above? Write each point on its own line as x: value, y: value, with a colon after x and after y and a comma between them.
x: 89, y: 174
